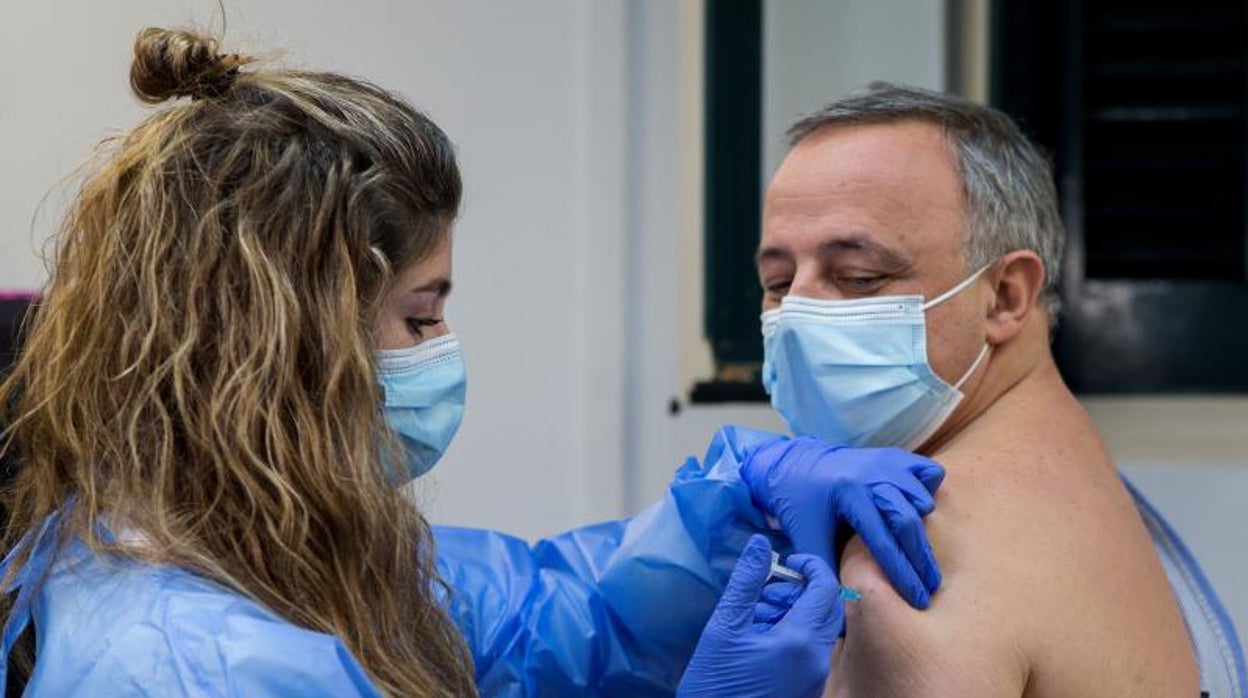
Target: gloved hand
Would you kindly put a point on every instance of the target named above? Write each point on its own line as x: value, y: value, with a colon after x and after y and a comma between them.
x: 819, y: 492
x: 773, y: 642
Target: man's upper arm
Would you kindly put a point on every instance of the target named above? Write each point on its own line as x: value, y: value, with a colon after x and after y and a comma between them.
x: 962, y: 646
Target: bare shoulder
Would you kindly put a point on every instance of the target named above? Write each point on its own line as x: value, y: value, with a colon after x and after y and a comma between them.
x: 1051, y: 586
x: 971, y: 642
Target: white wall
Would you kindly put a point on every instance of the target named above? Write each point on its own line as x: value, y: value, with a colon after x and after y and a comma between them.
x: 1189, y: 456
x: 817, y: 50
x: 532, y: 93
x: 1205, y: 504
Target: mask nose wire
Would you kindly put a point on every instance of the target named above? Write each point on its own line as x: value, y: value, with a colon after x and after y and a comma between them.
x: 427, y: 353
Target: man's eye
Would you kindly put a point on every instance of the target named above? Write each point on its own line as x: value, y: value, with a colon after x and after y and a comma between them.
x: 777, y: 288
x: 861, y: 284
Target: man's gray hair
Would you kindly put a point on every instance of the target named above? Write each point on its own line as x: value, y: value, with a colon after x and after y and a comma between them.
x: 1010, y: 195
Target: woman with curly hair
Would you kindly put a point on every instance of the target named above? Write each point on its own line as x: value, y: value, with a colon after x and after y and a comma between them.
x: 239, y: 356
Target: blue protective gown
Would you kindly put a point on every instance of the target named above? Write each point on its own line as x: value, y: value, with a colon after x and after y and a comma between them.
x: 610, y: 609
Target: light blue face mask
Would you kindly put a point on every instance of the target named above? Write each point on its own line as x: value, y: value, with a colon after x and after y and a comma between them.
x: 424, y: 390
x: 856, y: 372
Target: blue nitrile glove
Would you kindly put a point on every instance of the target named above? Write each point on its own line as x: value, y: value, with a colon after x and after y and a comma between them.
x: 819, y: 492
x: 759, y: 643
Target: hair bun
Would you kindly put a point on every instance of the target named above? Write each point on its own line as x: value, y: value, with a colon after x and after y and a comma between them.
x: 171, y: 63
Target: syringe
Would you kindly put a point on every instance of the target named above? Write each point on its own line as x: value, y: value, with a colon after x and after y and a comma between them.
x: 779, y: 571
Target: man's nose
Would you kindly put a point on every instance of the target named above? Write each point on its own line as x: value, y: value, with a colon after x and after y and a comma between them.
x: 810, y: 282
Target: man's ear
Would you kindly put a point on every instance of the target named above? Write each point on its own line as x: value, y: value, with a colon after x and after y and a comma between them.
x: 1017, y: 282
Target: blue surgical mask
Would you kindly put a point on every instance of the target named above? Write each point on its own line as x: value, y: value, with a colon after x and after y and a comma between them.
x: 856, y: 371
x: 424, y: 390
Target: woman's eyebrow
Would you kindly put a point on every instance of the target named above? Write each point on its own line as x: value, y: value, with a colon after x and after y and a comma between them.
x: 442, y: 287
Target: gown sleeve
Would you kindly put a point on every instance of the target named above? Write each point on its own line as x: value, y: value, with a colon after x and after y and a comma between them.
x: 611, y: 609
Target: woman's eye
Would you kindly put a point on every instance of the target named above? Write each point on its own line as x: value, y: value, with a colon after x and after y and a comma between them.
x: 417, y: 325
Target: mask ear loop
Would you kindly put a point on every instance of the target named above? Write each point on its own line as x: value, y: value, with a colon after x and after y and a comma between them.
x: 962, y: 286
x: 983, y: 354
